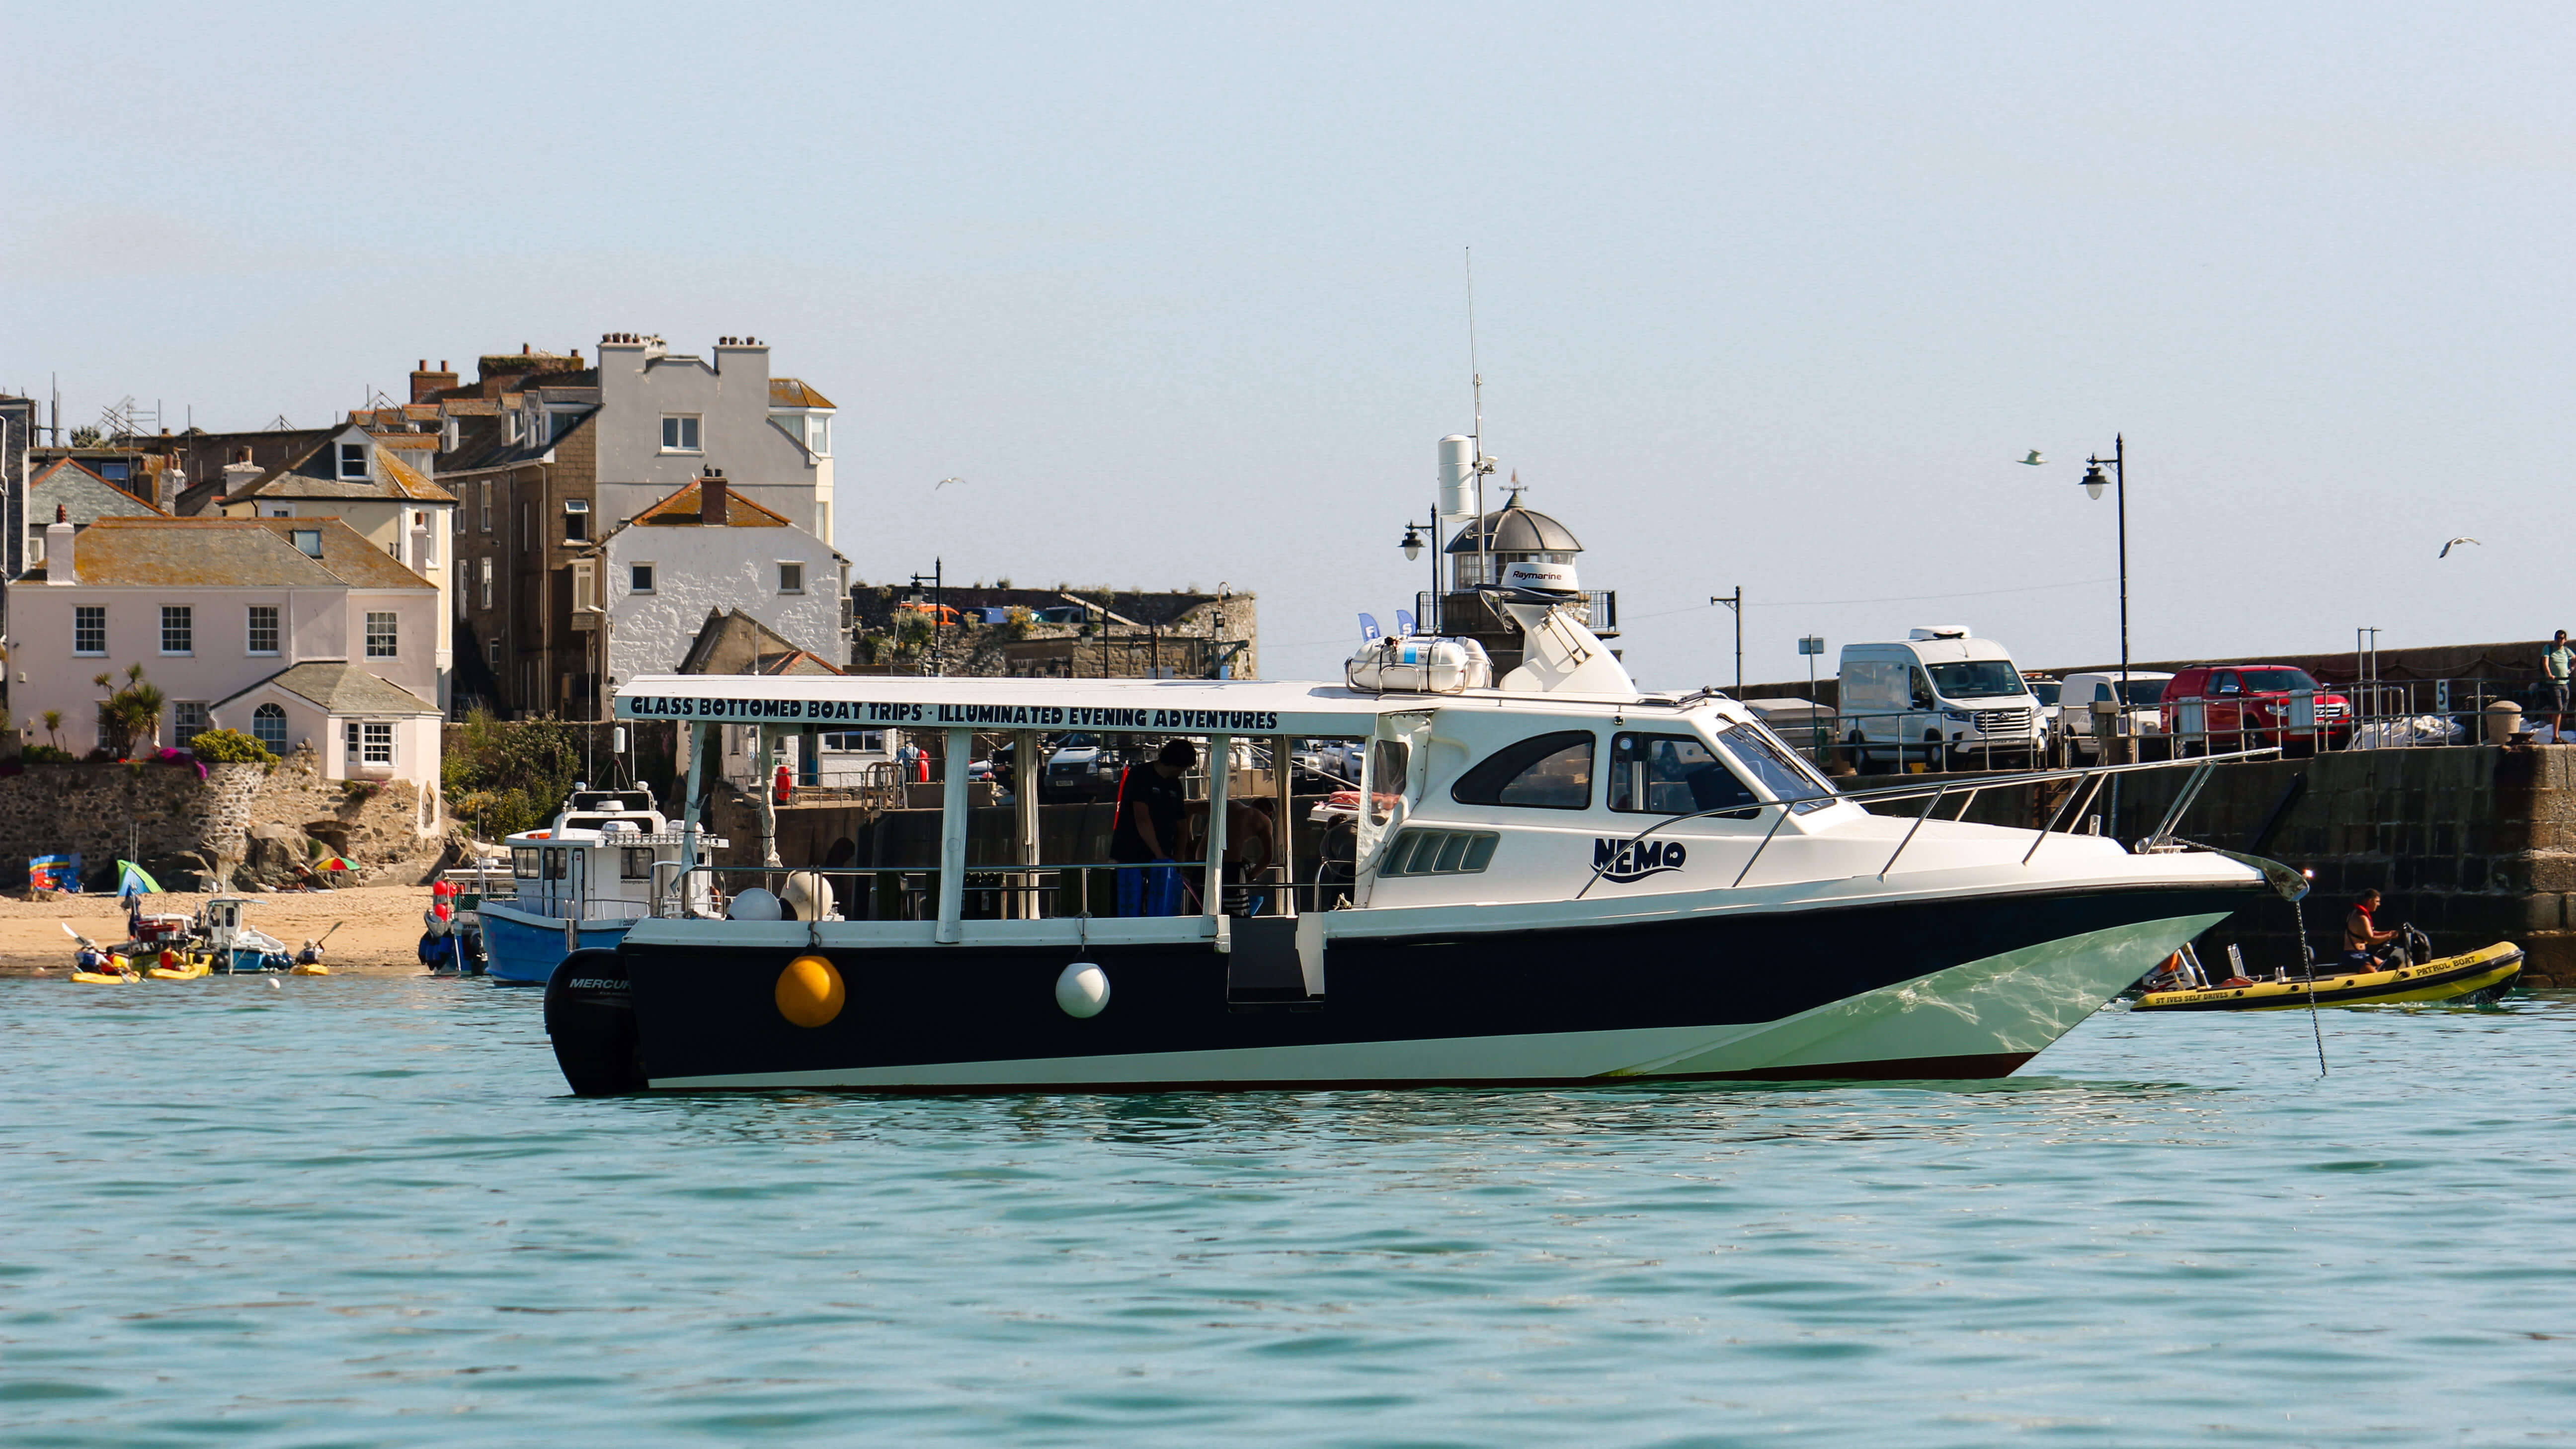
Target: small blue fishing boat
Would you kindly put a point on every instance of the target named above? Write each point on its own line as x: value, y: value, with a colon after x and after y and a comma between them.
x: 582, y: 882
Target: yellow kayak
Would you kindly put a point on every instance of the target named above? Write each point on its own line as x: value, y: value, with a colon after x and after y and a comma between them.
x: 2480, y: 976
x: 121, y: 976
x: 314, y: 968
x: 197, y: 966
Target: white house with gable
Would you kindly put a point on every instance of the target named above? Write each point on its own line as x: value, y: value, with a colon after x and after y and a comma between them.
x: 707, y: 548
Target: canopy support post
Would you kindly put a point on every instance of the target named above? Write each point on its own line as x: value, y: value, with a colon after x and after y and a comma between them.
x: 1220, y: 765
x: 952, y: 835
x: 1025, y: 770
x: 688, y: 815
x: 1283, y: 834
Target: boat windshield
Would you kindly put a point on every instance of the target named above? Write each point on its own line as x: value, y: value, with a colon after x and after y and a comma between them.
x: 1975, y: 679
x: 1781, y: 771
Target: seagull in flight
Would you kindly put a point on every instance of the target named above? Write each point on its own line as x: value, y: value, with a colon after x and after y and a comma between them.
x: 2454, y: 543
x: 944, y: 482
x: 2034, y: 460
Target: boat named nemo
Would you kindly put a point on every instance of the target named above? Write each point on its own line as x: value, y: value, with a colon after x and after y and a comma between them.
x: 1553, y: 877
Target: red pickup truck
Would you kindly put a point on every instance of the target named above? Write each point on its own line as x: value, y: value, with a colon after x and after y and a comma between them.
x: 2213, y: 708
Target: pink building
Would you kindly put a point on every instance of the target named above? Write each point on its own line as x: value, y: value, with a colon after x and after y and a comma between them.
x: 291, y: 630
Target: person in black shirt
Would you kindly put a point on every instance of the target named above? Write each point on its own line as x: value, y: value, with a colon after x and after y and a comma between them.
x: 1148, y: 830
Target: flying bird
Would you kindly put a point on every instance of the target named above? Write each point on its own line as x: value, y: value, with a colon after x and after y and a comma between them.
x: 944, y: 482
x: 2034, y: 460
x: 2454, y: 543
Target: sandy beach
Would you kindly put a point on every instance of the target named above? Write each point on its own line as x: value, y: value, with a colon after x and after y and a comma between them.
x: 379, y: 932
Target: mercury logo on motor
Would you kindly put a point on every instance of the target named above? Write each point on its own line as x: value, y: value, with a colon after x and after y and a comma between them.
x: 1633, y: 860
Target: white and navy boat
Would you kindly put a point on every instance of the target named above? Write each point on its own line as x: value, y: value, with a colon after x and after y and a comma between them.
x: 581, y: 882
x: 1558, y: 878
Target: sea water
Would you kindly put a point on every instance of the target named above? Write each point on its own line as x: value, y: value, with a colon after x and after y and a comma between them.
x: 364, y: 1212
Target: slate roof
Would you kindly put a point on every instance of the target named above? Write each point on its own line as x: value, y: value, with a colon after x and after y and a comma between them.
x: 314, y: 473
x: 771, y: 652
x: 229, y: 552
x: 75, y: 464
x: 792, y: 392
x: 340, y: 688
x: 473, y: 456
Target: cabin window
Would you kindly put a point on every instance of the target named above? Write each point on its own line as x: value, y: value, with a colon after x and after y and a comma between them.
x: 1673, y: 775
x: 551, y: 861
x: 1545, y: 772
x: 861, y: 741
x: 523, y: 863
x: 638, y: 862
x: 1388, y: 760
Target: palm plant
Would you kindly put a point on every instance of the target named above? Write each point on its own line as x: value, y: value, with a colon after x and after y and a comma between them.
x: 54, y: 727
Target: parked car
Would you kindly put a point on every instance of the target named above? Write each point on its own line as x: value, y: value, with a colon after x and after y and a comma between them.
x: 2046, y: 691
x: 1937, y: 696
x: 2144, y: 698
x: 1081, y: 767
x: 2218, y: 707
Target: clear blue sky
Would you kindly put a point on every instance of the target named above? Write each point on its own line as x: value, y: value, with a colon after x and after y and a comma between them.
x: 1769, y: 295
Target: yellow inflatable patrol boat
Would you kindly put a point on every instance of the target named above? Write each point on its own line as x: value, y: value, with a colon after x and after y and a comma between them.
x: 2476, y: 977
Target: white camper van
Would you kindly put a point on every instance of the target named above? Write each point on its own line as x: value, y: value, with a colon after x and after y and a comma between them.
x: 1941, y: 699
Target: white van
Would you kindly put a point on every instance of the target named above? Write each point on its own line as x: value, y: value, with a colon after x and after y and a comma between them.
x: 1941, y: 699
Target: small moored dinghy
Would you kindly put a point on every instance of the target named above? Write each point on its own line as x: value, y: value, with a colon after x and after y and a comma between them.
x: 2474, y: 977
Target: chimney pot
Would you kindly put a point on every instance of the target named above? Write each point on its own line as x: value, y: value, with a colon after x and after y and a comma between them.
x: 62, y: 514
x: 423, y: 367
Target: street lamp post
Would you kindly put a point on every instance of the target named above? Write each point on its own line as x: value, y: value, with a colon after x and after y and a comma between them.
x: 2119, y: 483
x: 1412, y: 546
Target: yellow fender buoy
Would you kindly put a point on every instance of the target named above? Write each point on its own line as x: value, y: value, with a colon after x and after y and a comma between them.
x: 810, y: 992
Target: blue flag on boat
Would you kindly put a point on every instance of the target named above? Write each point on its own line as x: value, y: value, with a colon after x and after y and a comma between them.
x: 1404, y: 623
x: 1369, y: 631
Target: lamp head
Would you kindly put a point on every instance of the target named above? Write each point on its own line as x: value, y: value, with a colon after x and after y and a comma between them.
x: 2094, y: 482
x: 1412, y: 544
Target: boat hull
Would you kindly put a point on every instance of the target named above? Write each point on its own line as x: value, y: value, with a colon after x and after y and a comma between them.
x: 525, y: 948
x: 1942, y: 988
x: 2481, y: 975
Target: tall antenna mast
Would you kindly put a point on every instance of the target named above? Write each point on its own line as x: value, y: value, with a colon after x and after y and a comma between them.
x: 1476, y: 382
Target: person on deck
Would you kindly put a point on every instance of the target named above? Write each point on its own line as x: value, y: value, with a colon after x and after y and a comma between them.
x: 2364, y: 944
x: 2555, y: 661
x: 1147, y: 829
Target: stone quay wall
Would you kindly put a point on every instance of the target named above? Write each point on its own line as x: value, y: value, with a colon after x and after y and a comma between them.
x: 184, y: 827
x: 2473, y: 843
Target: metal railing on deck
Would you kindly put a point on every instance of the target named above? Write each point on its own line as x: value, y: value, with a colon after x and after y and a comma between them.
x: 1059, y: 891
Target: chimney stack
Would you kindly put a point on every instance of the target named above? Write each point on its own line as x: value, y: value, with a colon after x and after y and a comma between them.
x: 712, y: 499
x: 427, y: 383
x: 58, y: 549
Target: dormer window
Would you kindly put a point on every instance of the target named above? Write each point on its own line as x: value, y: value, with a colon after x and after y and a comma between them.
x: 353, y: 460
x: 307, y: 540
x: 818, y: 435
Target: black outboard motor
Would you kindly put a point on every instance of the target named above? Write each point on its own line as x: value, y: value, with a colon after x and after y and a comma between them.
x: 590, y: 1014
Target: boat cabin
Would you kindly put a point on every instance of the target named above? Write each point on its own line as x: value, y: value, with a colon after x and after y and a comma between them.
x: 602, y: 858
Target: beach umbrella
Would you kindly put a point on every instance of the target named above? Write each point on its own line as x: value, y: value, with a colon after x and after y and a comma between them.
x: 336, y: 863
x: 136, y: 878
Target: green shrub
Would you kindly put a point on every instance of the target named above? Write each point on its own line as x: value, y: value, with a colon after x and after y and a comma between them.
x: 45, y: 755
x: 230, y: 747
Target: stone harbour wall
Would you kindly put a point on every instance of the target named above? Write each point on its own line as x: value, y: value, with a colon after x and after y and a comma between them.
x: 183, y: 827
x: 2473, y: 843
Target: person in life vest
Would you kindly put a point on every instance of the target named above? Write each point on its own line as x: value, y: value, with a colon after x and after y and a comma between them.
x: 2365, y: 946
x: 311, y: 955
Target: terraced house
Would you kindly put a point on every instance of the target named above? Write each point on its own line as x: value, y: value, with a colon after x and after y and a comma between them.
x: 293, y: 630
x: 548, y: 455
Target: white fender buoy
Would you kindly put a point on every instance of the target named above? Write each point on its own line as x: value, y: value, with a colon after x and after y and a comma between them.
x: 754, y: 904
x: 1082, y: 990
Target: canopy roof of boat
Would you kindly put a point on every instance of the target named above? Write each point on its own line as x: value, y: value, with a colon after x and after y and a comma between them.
x: 1161, y: 706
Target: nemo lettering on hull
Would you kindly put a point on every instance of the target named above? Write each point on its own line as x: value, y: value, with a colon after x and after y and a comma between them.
x: 1624, y: 861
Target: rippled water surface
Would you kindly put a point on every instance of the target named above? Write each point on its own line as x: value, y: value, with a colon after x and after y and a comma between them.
x: 362, y: 1212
